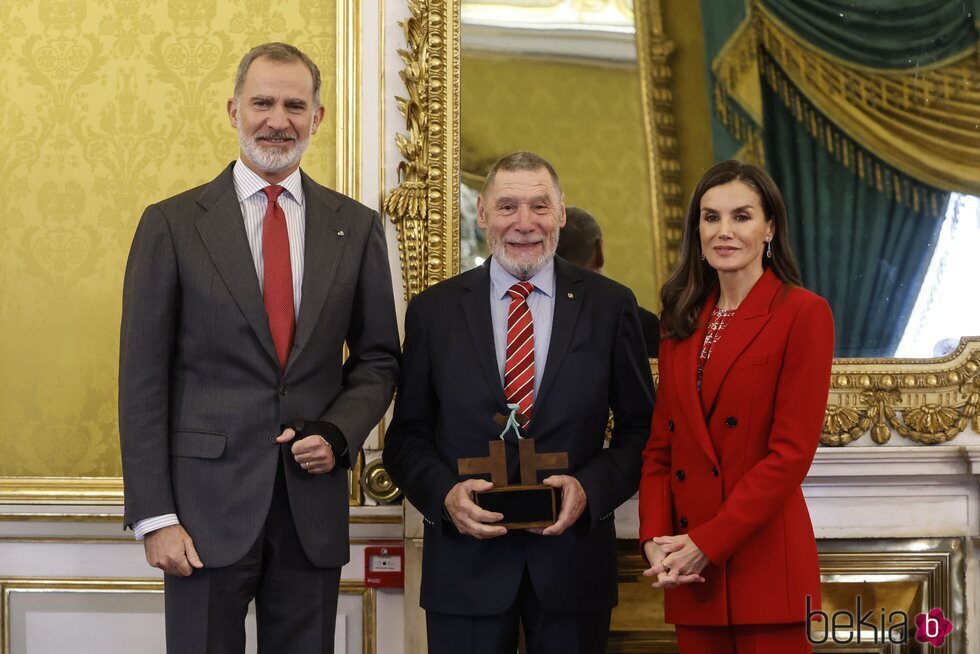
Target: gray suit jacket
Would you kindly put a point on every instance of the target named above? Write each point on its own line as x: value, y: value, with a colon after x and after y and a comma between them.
x: 201, y: 394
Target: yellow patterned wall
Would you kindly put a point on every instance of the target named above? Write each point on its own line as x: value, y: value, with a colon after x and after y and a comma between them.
x: 587, y: 121
x: 106, y: 106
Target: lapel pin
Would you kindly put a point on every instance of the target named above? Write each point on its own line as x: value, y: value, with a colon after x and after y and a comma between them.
x: 340, y: 233
x: 571, y: 296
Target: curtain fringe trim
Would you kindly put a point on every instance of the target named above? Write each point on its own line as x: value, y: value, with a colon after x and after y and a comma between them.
x: 884, y: 178
x: 738, y: 121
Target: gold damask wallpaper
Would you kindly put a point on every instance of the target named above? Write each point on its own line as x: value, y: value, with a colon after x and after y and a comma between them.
x: 106, y: 106
x: 587, y: 121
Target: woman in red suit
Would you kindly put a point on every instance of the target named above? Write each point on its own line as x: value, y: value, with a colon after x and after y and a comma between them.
x: 744, y: 376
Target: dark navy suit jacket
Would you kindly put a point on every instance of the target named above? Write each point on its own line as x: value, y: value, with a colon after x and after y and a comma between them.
x: 450, y: 391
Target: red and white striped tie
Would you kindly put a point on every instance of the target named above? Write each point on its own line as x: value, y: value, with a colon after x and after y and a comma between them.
x: 519, y: 368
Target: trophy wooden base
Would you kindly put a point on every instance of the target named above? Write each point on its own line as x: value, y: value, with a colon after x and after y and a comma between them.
x: 523, y: 506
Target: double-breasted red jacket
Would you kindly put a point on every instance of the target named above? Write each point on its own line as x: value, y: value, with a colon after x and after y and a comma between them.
x: 725, y: 466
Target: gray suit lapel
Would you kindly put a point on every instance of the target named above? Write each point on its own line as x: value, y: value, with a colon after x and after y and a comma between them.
x: 326, y: 229
x: 568, y: 303
x: 222, y: 228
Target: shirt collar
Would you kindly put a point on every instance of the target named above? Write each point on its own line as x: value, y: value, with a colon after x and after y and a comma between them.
x: 501, y: 280
x: 248, y: 183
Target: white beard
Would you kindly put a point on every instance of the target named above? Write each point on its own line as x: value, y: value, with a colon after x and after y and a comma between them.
x: 523, y: 267
x: 271, y: 160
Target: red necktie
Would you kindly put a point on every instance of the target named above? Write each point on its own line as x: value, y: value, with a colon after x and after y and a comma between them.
x: 519, y: 368
x: 277, y: 289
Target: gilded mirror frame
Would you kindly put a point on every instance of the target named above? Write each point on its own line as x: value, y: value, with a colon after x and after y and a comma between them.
x: 923, y: 401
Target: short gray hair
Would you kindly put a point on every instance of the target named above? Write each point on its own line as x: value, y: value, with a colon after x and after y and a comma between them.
x: 282, y: 53
x: 521, y: 160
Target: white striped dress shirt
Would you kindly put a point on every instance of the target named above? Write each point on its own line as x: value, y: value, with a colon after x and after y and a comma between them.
x: 248, y: 187
x: 253, y: 203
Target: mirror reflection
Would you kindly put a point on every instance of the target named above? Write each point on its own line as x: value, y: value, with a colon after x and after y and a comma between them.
x: 561, y: 80
x: 869, y: 120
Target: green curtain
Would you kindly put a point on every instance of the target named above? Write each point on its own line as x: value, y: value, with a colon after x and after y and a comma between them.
x: 859, y: 248
x: 720, y: 20
x: 863, y: 239
x: 893, y: 34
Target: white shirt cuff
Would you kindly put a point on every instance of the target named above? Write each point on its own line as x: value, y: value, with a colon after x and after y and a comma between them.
x: 142, y: 527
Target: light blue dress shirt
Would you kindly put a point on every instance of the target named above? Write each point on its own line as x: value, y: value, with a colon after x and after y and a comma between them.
x: 541, y: 302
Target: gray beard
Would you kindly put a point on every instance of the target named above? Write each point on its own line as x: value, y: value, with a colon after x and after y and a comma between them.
x: 271, y: 160
x: 522, y: 269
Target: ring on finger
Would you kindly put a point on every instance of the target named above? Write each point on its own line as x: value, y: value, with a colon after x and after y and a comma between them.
x: 663, y: 564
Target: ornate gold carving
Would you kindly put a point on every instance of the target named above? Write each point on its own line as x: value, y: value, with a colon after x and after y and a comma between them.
x: 926, y: 401
x: 667, y: 202
x: 425, y: 204
x: 841, y: 420
x: 378, y: 484
x: 931, y: 418
x: 843, y: 425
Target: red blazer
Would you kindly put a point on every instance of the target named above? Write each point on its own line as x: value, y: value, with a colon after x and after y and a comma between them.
x: 726, y: 468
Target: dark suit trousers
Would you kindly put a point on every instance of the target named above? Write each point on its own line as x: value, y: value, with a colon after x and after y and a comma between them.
x: 295, y: 602
x: 545, y: 632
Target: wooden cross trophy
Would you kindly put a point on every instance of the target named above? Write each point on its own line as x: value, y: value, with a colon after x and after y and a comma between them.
x: 525, y: 505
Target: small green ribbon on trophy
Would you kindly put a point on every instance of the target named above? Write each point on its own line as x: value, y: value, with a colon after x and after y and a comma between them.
x: 529, y: 504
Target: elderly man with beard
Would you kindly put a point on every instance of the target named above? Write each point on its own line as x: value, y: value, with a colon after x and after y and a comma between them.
x: 564, y: 346
x: 238, y: 415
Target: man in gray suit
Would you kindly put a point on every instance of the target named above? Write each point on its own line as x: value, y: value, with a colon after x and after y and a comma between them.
x: 238, y: 414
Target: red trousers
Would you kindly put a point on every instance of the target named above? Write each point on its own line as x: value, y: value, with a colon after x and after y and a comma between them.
x: 744, y: 639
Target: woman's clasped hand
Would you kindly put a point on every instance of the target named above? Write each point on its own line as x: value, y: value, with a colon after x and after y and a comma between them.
x: 674, y: 561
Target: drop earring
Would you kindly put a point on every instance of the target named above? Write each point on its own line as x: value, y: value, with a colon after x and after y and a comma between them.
x: 769, y: 249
